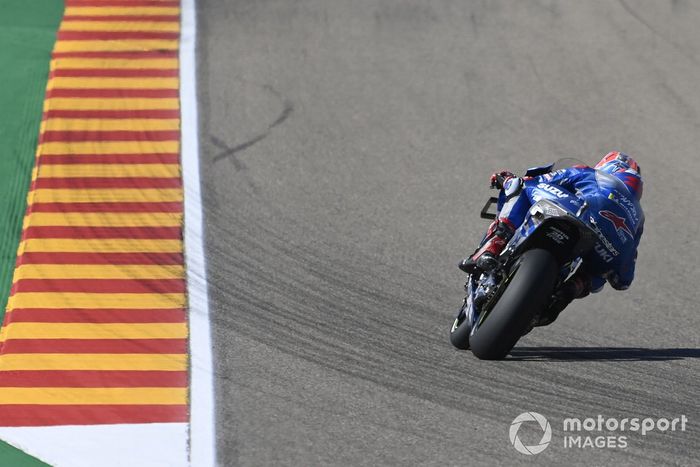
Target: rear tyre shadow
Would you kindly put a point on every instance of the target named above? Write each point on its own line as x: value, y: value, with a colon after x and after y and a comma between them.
x: 600, y: 353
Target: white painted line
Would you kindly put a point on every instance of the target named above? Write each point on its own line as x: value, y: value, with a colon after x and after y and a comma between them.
x: 144, y: 444
x: 202, y: 439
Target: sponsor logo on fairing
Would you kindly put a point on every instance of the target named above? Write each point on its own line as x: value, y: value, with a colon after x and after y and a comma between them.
x: 557, y: 235
x: 620, y: 223
x: 604, y: 240
x: 553, y: 190
x: 627, y: 205
x: 602, y: 252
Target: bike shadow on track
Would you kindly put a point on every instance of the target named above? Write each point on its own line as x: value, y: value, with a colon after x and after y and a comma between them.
x: 600, y: 354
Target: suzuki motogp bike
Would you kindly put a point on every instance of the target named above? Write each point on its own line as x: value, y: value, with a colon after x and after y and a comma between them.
x: 506, y: 303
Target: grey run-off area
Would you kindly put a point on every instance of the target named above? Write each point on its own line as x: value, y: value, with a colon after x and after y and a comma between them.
x: 346, y: 149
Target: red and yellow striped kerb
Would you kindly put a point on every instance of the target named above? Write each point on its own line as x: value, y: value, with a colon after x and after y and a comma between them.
x: 96, y: 330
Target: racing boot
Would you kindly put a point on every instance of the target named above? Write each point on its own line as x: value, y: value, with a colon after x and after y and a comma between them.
x: 485, y: 258
x: 578, y: 286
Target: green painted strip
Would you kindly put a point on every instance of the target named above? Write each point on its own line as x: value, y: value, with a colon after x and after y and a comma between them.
x: 10, y: 455
x: 27, y: 34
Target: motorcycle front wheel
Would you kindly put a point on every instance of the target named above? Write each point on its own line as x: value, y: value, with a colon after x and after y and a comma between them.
x: 459, y: 333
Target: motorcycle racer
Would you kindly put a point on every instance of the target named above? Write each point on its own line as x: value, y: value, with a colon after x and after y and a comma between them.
x: 612, y: 191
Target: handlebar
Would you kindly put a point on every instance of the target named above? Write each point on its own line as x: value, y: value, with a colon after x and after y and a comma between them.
x: 500, y: 179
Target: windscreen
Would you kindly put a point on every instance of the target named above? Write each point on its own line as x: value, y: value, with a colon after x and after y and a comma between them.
x: 566, y: 162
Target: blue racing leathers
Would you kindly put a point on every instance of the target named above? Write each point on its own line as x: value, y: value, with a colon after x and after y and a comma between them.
x: 613, y: 214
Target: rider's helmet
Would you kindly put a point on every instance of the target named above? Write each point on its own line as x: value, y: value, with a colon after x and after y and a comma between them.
x: 626, y: 169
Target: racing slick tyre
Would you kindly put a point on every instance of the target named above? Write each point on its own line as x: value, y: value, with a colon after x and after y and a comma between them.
x: 526, y: 293
x: 459, y: 333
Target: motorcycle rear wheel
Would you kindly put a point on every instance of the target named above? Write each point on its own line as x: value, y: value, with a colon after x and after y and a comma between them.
x: 526, y: 294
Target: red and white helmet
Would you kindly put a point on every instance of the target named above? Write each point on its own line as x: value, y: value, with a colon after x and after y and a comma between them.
x: 626, y: 169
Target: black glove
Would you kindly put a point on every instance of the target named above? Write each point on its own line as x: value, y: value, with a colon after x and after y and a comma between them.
x: 498, y: 179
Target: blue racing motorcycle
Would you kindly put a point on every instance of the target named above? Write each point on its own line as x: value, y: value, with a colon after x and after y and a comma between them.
x: 506, y: 303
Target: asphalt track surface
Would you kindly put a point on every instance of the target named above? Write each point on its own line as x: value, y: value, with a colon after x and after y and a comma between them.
x: 346, y: 149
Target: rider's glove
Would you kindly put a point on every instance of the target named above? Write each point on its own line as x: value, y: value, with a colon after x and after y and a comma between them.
x: 498, y: 179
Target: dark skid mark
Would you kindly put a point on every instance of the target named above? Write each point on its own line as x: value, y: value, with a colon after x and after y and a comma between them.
x: 679, y: 47
x: 535, y: 72
x: 237, y: 164
x: 286, y: 112
x: 550, y: 7
x: 230, y: 152
x: 227, y: 152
